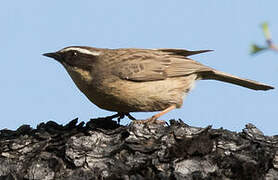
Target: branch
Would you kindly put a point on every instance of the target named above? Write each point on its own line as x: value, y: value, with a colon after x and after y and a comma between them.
x: 103, y: 149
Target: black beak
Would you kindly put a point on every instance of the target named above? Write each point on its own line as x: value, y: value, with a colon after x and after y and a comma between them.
x: 54, y: 55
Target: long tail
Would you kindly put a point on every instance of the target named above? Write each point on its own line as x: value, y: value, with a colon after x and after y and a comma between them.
x: 221, y: 76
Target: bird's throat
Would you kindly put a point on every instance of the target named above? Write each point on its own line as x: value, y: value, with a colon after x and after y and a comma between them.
x: 79, y: 75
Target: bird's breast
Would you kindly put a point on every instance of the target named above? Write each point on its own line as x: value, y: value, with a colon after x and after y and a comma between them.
x: 95, y: 87
x: 114, y: 94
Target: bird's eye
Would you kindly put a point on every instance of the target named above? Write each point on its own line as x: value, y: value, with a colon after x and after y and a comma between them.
x: 71, y: 55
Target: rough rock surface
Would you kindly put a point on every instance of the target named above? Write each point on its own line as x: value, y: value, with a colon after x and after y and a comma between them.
x: 102, y: 149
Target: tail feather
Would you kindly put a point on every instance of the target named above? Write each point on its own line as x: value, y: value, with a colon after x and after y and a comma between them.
x: 221, y: 76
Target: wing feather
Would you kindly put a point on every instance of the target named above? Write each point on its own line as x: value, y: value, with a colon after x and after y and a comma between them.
x: 183, y: 52
x: 159, y: 64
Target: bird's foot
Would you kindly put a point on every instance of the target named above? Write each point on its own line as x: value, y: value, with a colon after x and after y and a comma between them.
x: 154, y: 118
x: 120, y: 116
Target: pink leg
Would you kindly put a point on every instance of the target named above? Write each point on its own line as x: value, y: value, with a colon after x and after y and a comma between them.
x: 154, y: 118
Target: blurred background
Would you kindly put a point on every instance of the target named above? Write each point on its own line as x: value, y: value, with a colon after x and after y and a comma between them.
x: 37, y: 89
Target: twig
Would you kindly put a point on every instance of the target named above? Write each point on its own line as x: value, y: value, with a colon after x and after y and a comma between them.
x: 270, y: 45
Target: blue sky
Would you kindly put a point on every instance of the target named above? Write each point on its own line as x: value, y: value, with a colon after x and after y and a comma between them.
x: 36, y: 89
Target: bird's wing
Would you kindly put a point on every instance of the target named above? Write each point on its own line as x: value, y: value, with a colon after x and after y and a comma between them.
x: 156, y: 65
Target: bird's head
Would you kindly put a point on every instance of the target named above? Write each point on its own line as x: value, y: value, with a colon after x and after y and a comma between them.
x: 76, y: 56
x: 79, y: 62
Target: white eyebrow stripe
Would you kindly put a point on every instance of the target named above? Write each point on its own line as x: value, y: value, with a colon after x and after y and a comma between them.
x: 84, y: 51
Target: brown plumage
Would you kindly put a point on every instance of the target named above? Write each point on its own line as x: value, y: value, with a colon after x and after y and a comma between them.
x: 134, y: 80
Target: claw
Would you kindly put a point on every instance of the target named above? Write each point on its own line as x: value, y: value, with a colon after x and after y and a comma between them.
x: 120, y: 116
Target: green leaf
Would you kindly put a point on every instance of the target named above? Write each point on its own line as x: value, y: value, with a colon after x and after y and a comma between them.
x: 255, y: 49
x: 266, y: 30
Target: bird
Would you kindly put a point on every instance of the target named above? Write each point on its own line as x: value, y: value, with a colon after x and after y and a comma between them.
x: 127, y: 80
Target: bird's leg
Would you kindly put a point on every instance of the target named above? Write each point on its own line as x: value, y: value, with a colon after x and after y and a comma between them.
x: 120, y: 116
x: 154, y: 118
x: 130, y: 117
x: 113, y: 116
